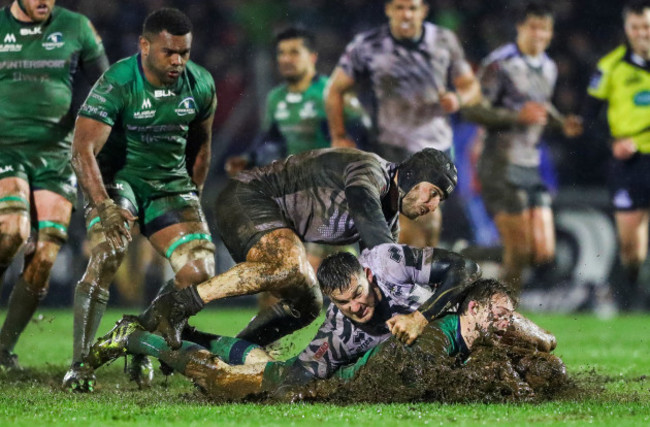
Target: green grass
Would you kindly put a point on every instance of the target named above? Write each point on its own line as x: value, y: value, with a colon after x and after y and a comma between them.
x: 613, y: 354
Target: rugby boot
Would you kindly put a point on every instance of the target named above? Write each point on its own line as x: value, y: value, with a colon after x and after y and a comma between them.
x: 113, y: 345
x: 168, y: 314
x: 9, y: 361
x: 80, y: 378
x: 140, y: 370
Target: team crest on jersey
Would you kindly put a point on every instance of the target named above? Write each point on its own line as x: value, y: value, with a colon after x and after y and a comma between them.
x: 282, y: 112
x: 53, y: 41
x: 308, y: 110
x: 186, y: 106
x: 10, y: 44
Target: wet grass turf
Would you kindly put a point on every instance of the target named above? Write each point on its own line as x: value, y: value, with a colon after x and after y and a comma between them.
x: 610, y: 357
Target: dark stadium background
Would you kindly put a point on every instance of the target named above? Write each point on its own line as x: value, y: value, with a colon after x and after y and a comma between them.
x: 233, y: 40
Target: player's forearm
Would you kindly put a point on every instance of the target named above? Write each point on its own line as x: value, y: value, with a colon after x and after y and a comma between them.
x: 490, y: 116
x: 470, y: 93
x: 368, y: 217
x: 89, y: 138
x: 334, y: 106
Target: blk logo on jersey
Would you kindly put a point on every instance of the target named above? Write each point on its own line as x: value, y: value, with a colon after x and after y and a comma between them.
x: 161, y: 93
x: 53, y: 41
x: 30, y: 31
x: 186, y: 106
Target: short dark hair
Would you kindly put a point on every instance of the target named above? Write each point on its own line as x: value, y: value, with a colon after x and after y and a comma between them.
x: 297, y: 32
x: 635, y: 7
x: 167, y: 19
x: 483, y: 290
x: 336, y: 272
x: 534, y: 8
x: 390, y: 1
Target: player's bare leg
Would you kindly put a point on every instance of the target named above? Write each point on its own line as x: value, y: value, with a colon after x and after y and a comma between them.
x: 517, y: 240
x: 277, y: 263
x: 632, y: 229
x: 90, y: 300
x: 14, y: 219
x: 422, y: 231
x: 53, y: 213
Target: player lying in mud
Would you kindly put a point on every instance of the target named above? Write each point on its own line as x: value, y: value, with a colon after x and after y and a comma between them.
x: 390, y: 291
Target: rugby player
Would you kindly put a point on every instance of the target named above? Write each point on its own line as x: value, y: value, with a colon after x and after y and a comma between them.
x: 294, y: 119
x: 517, y: 81
x: 42, y: 47
x: 141, y: 151
x: 373, y: 298
x: 332, y: 196
x: 407, y: 64
x: 622, y: 84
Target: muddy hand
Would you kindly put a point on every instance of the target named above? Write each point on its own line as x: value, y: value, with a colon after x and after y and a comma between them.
x: 115, y: 223
x: 407, y: 327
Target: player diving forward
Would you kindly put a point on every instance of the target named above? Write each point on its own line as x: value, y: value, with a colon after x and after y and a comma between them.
x: 141, y: 151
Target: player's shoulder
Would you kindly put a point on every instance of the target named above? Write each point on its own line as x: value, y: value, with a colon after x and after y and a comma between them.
x: 277, y: 92
x: 198, y: 74
x: 371, y: 37
x: 501, y: 54
x: 71, y: 17
x: 319, y: 82
x: 122, y: 72
x: 611, y: 59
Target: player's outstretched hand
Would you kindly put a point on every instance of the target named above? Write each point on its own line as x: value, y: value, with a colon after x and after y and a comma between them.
x: 407, y: 327
x: 450, y: 102
x: 235, y: 164
x: 115, y: 222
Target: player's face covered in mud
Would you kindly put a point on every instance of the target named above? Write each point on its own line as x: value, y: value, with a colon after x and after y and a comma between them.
x: 637, y: 30
x: 495, y: 316
x: 165, y: 56
x: 405, y: 18
x: 294, y: 59
x: 38, y: 10
x: 358, y: 301
x: 421, y: 200
x: 535, y: 34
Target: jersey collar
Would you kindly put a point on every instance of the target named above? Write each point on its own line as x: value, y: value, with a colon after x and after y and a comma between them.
x: 636, y: 60
x: 407, y: 43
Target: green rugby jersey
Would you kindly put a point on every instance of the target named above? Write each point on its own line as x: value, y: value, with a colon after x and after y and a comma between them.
x: 150, y: 124
x: 37, y: 63
x: 300, y: 118
x: 623, y: 81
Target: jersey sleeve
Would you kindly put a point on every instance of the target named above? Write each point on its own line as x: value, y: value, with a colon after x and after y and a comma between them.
x: 403, y: 264
x: 328, y: 351
x: 458, y: 65
x: 207, y: 97
x: 599, y: 86
x: 364, y: 183
x: 353, y: 61
x: 105, y: 101
x: 91, y: 42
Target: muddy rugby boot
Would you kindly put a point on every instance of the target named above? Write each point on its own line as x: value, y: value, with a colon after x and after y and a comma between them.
x: 9, y: 361
x: 80, y: 378
x: 140, y: 370
x: 113, y: 345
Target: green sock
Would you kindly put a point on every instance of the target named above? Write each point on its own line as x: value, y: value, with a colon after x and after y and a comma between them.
x: 22, y: 305
x: 233, y: 351
x: 143, y: 342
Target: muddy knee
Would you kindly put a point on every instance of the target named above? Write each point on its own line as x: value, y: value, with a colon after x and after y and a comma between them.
x: 14, y: 232
x: 192, y: 260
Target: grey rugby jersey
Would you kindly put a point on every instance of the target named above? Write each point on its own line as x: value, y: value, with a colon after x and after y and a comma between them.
x: 311, y: 190
x: 509, y: 80
x: 406, y: 78
x: 403, y: 275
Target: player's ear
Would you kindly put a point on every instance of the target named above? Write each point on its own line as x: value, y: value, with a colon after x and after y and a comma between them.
x: 369, y: 274
x: 144, y: 45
